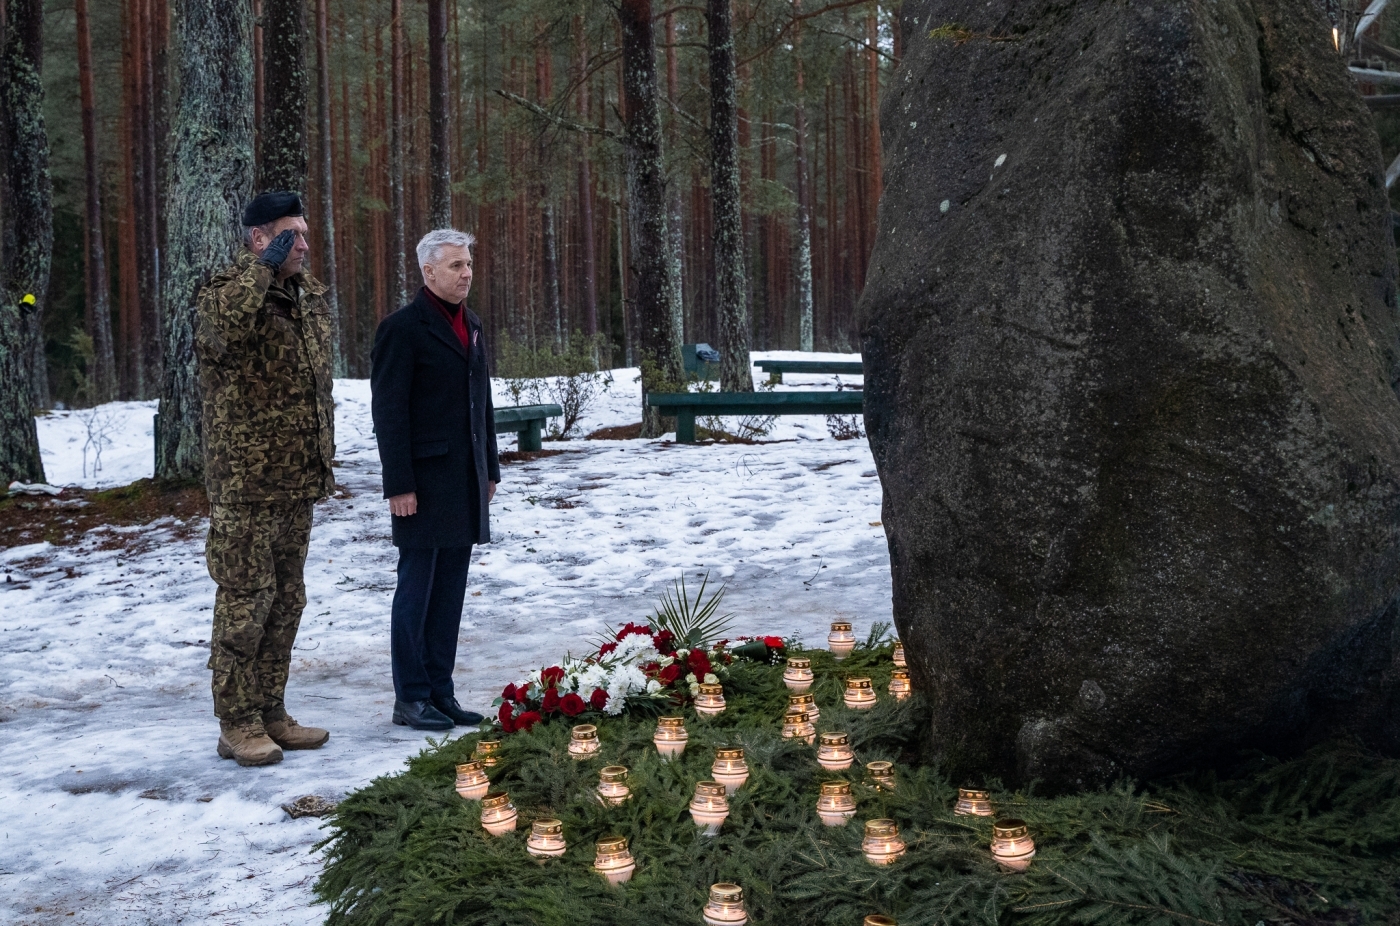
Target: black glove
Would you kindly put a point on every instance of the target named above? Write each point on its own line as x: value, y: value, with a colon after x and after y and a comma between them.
x: 278, y: 249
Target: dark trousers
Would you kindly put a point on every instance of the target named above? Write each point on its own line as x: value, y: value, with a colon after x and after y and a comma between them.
x: 427, y: 614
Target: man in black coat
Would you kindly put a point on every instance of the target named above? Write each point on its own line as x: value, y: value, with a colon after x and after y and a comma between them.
x: 433, y: 420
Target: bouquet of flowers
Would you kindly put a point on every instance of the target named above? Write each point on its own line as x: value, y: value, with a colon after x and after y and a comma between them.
x: 769, y: 650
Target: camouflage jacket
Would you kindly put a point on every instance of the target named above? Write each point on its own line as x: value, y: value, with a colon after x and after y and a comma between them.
x: 264, y: 349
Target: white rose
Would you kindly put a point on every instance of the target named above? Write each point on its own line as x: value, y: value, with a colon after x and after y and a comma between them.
x: 711, y: 679
x: 653, y: 686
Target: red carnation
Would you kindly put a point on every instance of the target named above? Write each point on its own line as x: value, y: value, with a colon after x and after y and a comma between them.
x: 551, y: 701
x: 527, y: 720
x: 670, y: 673
x: 506, y: 718
x: 773, y: 642
x: 699, y: 663
x: 664, y: 642
x: 598, y: 699
x: 631, y: 629
x: 572, y: 705
x: 552, y: 676
x: 606, y: 648
x: 650, y: 669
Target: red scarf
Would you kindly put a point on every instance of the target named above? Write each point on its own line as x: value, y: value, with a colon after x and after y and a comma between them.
x: 456, y: 317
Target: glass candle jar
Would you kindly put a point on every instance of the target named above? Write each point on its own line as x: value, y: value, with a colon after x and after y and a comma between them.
x: 498, y: 814
x: 882, y: 845
x: 1012, y: 845
x: 798, y: 674
x: 583, y: 741
x: 804, y: 703
x: 472, y: 783
x: 729, y: 768
x: 834, y: 752
x: 710, y: 700
x: 899, y: 659
x: 613, y: 861
x: 546, y: 839
x: 709, y: 807
x: 860, y: 694
x: 835, y: 806
x: 841, y: 641
x: 900, y: 685
x: 973, y: 803
x: 725, y: 906
x: 486, y: 751
x: 612, y: 785
x: 881, y: 774
x: 670, y: 737
x: 876, y: 919
x: 799, y: 726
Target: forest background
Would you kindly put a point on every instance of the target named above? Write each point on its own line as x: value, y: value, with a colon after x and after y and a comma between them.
x: 546, y: 200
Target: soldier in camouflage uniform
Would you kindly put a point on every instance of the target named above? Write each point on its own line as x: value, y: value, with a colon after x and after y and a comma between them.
x: 263, y: 339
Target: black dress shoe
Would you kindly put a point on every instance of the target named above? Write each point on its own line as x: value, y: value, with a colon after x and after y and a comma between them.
x: 420, y: 715
x: 461, y: 718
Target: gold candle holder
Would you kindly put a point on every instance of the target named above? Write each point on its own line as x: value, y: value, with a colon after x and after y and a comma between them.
x: 804, y: 703
x: 485, y: 752
x: 973, y: 803
x: 834, y: 752
x: 798, y: 674
x: 670, y: 737
x: 583, y: 741
x: 1012, y: 845
x: 860, y: 694
x: 613, y: 861
x: 840, y: 641
x: 725, y: 907
x: 709, y: 807
x: 882, y: 845
x: 881, y: 774
x: 612, y: 785
x: 899, y: 659
x: 498, y: 814
x: 710, y: 700
x: 546, y: 839
x: 835, y: 806
x: 876, y: 919
x: 799, y: 726
x: 729, y: 768
x: 900, y: 686
x: 472, y: 783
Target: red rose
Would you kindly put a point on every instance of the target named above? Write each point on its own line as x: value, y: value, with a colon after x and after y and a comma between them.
x: 506, y: 717
x: 664, y: 642
x: 572, y: 705
x: 552, y: 676
x: 599, y: 699
x: 773, y: 642
x: 606, y: 648
x: 509, y: 693
x: 522, y: 694
x: 650, y: 669
x: 527, y: 720
x: 699, y: 663
x: 551, y: 701
x: 670, y: 673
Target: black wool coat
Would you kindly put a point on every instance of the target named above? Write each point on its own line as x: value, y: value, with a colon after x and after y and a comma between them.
x: 434, y: 423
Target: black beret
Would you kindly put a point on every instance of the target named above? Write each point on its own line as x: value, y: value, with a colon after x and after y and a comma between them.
x: 269, y: 207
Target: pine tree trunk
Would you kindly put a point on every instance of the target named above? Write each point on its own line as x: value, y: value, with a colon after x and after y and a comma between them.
x: 549, y: 242
x: 211, y: 179
x: 735, y: 371
x: 102, y: 378
x: 803, y: 257
x: 149, y: 214
x: 283, y: 130
x: 585, y: 196
x: 398, y: 292
x: 657, y: 340
x: 439, y: 148
x: 675, y: 261
x: 26, y: 235
x: 329, y: 272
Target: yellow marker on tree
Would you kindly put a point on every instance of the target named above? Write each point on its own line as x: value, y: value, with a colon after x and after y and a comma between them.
x: 28, y: 299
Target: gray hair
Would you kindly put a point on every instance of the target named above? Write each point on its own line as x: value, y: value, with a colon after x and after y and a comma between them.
x: 430, y: 248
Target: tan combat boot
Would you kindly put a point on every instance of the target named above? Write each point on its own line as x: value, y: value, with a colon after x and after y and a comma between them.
x: 289, y: 734
x: 248, y: 744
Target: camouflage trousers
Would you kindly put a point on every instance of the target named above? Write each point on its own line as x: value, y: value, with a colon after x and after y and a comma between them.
x: 256, y: 553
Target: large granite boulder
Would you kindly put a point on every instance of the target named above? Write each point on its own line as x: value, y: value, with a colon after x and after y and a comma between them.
x: 1131, y: 347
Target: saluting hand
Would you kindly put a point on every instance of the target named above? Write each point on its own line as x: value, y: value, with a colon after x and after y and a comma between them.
x: 402, y: 506
x: 275, y: 254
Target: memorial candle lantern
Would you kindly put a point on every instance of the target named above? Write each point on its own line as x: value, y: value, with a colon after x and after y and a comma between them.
x: 583, y: 741
x: 498, y: 814
x: 546, y: 839
x: 840, y: 641
x: 882, y: 845
x: 834, y: 752
x: 472, y: 783
x: 973, y: 803
x: 725, y: 907
x: 804, y: 704
x: 710, y: 700
x: 876, y: 919
x: 799, y: 726
x: 613, y: 861
x: 709, y: 807
x: 485, y: 752
x: 900, y: 685
x: 1012, y: 845
x: 798, y: 674
x: 899, y: 659
x: 860, y: 695
x: 612, y: 785
x: 835, y: 806
x: 729, y: 768
x: 881, y: 774
x: 670, y: 737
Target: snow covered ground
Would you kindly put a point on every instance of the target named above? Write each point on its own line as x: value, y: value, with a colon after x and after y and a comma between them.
x: 114, y: 807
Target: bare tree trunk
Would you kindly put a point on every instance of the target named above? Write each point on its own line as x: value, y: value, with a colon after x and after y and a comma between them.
x: 735, y: 371
x: 284, y: 150
x: 803, y: 257
x: 439, y: 148
x: 398, y: 293
x: 585, y: 196
x: 675, y: 265
x: 211, y: 179
x: 549, y: 242
x: 102, y: 378
x: 26, y: 235
x: 329, y: 273
x: 149, y: 214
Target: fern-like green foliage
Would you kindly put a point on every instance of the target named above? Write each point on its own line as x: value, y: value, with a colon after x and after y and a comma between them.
x: 1314, y: 840
x: 693, y: 621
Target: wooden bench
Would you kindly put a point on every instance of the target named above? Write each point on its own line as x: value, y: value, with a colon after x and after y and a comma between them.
x: 684, y: 406
x: 526, y: 421
x: 776, y: 368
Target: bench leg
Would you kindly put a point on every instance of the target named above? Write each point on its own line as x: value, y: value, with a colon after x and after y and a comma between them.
x: 530, y: 435
x: 685, y: 426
